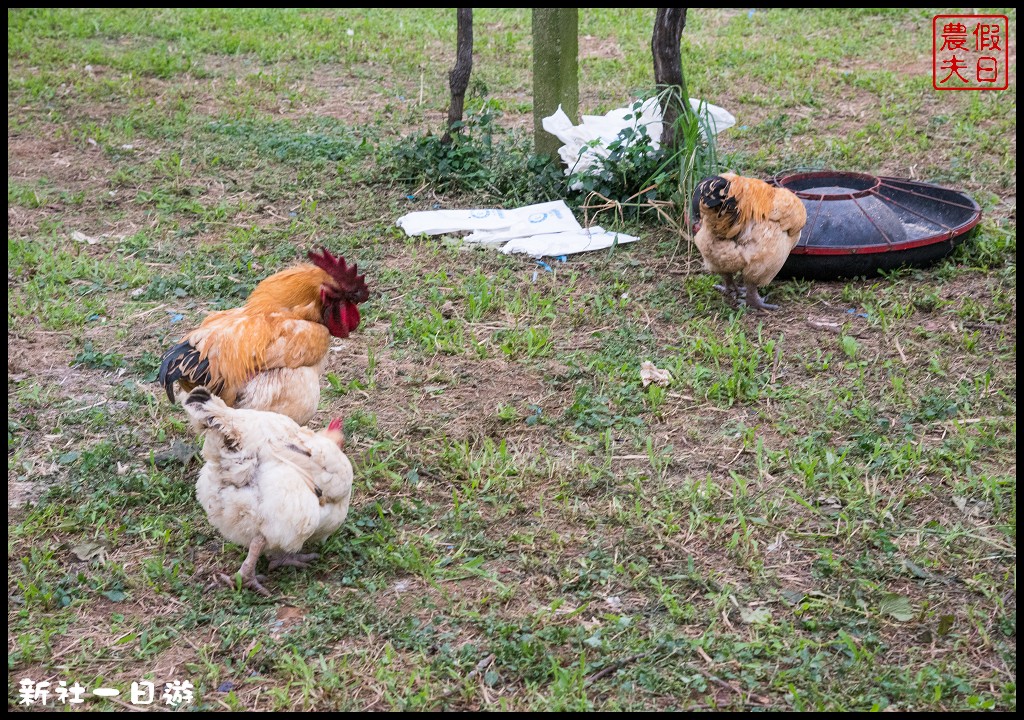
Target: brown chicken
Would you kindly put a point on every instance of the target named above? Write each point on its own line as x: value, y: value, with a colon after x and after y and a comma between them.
x: 268, y: 484
x: 748, y: 227
x: 269, y: 353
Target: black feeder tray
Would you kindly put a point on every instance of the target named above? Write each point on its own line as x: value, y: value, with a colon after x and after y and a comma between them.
x: 860, y: 225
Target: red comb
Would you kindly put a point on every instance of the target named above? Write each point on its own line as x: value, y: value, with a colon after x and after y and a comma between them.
x: 346, y: 276
x: 336, y: 424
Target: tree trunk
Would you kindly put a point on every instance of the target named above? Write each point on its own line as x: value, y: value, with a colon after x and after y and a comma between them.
x: 458, y: 78
x: 555, y: 72
x: 668, y: 69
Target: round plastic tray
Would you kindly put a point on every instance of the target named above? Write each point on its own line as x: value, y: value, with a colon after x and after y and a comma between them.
x: 860, y: 225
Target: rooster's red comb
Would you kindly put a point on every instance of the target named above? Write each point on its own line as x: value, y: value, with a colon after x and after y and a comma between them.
x: 335, y: 424
x: 351, y: 284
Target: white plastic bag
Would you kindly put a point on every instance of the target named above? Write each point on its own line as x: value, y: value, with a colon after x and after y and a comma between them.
x: 587, y: 142
x: 580, y: 152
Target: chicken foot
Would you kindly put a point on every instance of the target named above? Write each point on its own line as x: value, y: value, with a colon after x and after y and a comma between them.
x: 729, y: 289
x: 248, y: 570
x: 746, y: 293
x: 298, y: 560
x: 754, y: 300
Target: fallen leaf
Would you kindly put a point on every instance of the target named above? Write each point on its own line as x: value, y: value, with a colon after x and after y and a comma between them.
x: 82, y: 237
x: 777, y: 542
x: 829, y: 503
x: 290, y: 613
x: 287, y: 616
x: 614, y: 602
x: 651, y: 374
x: 755, y: 616
x: 897, y: 607
x: 919, y: 572
x: 90, y: 551
x: 792, y: 597
x: 972, y: 508
x: 824, y: 325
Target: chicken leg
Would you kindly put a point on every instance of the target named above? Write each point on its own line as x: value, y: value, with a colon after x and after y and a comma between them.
x: 248, y: 570
x: 728, y: 289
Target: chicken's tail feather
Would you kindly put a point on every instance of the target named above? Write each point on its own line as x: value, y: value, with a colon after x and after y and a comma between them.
x: 183, y: 361
x: 714, y: 193
x: 210, y: 415
x: 200, y: 396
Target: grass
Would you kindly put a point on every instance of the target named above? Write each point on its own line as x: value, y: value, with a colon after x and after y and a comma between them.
x: 819, y: 513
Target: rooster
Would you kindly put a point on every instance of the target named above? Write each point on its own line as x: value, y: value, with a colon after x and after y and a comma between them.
x: 748, y: 227
x: 268, y: 484
x: 269, y: 353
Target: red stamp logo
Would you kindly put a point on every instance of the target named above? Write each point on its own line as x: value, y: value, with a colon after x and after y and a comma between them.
x: 970, y: 52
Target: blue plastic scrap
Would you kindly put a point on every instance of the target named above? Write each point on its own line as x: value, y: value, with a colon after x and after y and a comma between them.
x: 535, y: 414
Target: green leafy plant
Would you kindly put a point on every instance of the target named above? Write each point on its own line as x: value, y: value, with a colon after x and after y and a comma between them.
x: 320, y: 141
x: 634, y: 179
x: 482, y: 157
x: 90, y: 357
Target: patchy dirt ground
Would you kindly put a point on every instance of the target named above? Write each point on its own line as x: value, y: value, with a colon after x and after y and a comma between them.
x: 817, y: 512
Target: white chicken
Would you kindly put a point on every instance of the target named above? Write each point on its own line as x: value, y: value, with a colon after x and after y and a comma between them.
x: 269, y: 484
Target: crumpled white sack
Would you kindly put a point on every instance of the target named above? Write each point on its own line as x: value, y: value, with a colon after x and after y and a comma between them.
x: 545, y: 218
x: 567, y: 243
x: 438, y: 222
x: 546, y: 229
x: 489, y: 223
